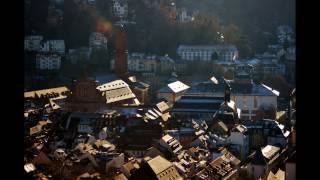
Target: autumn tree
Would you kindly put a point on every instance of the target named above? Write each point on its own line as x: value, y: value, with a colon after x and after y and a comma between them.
x: 279, y: 83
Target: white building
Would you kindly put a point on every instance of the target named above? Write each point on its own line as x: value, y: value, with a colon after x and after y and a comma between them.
x: 249, y: 97
x: 185, y: 16
x: 32, y: 43
x: 120, y: 8
x: 173, y: 91
x: 48, y: 61
x: 260, y: 96
x: 53, y: 46
x: 139, y: 62
x: 239, y: 140
x: 207, y: 53
x: 98, y: 40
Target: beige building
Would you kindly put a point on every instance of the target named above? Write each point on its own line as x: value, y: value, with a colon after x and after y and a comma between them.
x: 206, y: 52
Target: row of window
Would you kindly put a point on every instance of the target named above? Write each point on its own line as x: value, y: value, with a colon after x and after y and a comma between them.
x: 245, y: 102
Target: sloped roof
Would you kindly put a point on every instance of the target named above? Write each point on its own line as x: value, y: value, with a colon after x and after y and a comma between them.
x: 178, y: 86
x: 174, y: 87
x: 153, y: 152
x: 275, y: 92
x: 32, y: 94
x: 159, y: 164
x: 166, y: 138
x: 118, y: 94
x: 162, y: 106
x: 269, y: 151
x: 112, y: 85
x: 120, y: 177
x: 280, y: 175
x: 237, y: 88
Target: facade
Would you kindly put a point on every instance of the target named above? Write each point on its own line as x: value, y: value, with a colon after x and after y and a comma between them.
x: 185, y: 16
x: 266, y: 131
x: 141, y: 90
x: 85, y: 96
x: 207, y: 53
x: 98, y: 40
x: 53, y: 46
x: 48, y: 61
x: 196, y: 107
x: 180, y: 66
x: 264, y: 66
x: 90, y: 96
x: 32, y: 43
x: 82, y: 53
x: 142, y: 63
x: 248, y: 96
x: 265, y: 159
x: 120, y: 8
x: 239, y: 141
x: 166, y: 64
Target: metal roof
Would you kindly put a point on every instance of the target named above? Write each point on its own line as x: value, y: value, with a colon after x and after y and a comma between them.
x: 212, y: 89
x: 178, y: 86
x: 159, y: 164
x: 118, y: 94
x: 112, y: 85
x: 269, y: 151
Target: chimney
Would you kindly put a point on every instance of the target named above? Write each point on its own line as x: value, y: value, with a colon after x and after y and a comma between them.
x: 121, y: 63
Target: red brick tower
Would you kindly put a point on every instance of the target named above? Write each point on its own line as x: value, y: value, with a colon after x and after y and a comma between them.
x: 121, y: 63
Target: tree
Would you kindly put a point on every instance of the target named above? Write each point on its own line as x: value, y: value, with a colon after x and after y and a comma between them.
x: 279, y: 83
x: 231, y: 34
x: 266, y: 112
x: 217, y: 70
x: 214, y: 56
x: 228, y: 74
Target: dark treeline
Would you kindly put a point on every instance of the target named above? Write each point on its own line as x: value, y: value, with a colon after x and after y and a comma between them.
x: 249, y: 24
